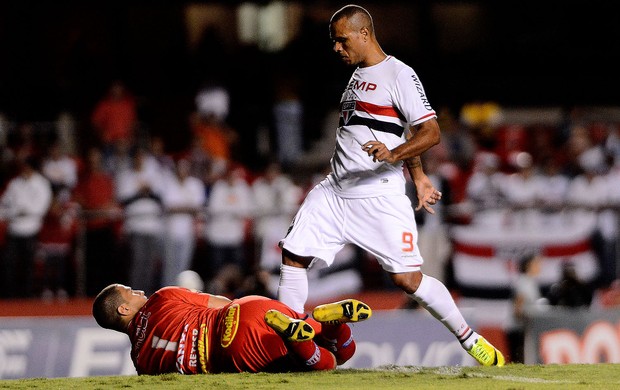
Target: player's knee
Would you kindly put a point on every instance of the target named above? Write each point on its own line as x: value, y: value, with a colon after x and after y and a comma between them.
x: 344, y: 354
x: 327, y: 361
x: 408, y: 281
x: 291, y: 259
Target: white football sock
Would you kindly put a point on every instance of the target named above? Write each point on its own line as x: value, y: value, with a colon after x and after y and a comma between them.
x: 293, y: 287
x: 435, y: 297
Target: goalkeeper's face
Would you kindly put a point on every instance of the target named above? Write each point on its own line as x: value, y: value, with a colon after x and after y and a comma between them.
x: 135, y: 299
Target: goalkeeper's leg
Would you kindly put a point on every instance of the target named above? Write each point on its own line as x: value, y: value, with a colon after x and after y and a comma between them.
x: 299, y: 336
x: 338, y: 339
x: 313, y: 356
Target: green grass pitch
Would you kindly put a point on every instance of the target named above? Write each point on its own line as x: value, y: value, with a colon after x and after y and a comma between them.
x: 510, y: 377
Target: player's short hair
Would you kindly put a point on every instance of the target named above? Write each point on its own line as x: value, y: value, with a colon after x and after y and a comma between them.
x: 350, y: 11
x: 105, y: 308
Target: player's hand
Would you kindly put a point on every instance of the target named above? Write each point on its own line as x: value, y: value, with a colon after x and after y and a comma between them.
x: 428, y: 195
x: 379, y: 152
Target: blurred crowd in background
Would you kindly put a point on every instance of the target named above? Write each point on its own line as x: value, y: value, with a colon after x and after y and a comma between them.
x: 100, y: 193
x: 125, y: 209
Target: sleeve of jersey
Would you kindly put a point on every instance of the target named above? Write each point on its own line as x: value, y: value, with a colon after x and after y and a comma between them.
x: 411, y: 99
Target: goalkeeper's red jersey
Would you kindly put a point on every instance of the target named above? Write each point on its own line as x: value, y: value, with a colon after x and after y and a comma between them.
x: 164, y: 333
x: 175, y: 331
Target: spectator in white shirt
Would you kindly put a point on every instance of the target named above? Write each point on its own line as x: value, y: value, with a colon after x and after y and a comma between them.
x: 139, y: 191
x: 183, y: 198
x: 25, y: 203
x: 588, y: 195
x: 61, y: 170
x: 527, y: 298
x: 229, y: 207
x: 483, y: 189
x: 552, y: 192
x: 521, y: 190
x: 277, y: 199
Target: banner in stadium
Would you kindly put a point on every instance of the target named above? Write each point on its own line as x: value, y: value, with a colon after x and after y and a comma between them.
x: 564, y: 336
x: 487, y: 256
x: 61, y: 347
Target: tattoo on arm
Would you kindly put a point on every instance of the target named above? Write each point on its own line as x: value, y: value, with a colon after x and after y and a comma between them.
x: 414, y: 162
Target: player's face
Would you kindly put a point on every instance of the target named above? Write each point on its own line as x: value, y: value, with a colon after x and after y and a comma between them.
x: 135, y: 298
x: 348, y: 42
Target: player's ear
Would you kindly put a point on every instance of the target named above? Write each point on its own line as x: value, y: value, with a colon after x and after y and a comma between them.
x: 365, y: 33
x: 123, y: 309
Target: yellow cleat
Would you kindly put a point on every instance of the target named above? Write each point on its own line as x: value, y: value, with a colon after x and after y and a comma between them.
x: 486, y: 354
x: 349, y: 310
x: 290, y: 328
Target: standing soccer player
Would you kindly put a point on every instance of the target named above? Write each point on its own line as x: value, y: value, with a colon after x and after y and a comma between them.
x: 385, y: 119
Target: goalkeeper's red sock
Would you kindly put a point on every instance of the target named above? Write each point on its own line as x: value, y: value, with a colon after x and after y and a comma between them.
x: 340, y: 341
x: 314, y: 357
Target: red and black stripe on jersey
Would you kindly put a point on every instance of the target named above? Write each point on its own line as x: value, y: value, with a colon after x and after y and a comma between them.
x: 374, y: 124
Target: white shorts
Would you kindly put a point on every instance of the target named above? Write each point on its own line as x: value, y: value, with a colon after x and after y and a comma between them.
x: 384, y: 226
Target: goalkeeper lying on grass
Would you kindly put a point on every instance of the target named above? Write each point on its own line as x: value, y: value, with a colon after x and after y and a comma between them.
x: 179, y: 330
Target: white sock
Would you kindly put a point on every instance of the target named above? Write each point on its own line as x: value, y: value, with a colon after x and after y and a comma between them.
x: 435, y: 297
x: 293, y: 287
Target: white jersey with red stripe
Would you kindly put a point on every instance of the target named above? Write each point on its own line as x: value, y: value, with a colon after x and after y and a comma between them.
x: 380, y: 102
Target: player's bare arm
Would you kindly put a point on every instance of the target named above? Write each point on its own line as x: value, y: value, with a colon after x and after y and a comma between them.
x: 425, y: 136
x: 428, y: 134
x: 425, y: 190
x: 427, y: 194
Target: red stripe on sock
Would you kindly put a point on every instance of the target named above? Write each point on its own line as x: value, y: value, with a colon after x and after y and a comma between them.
x: 464, y: 333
